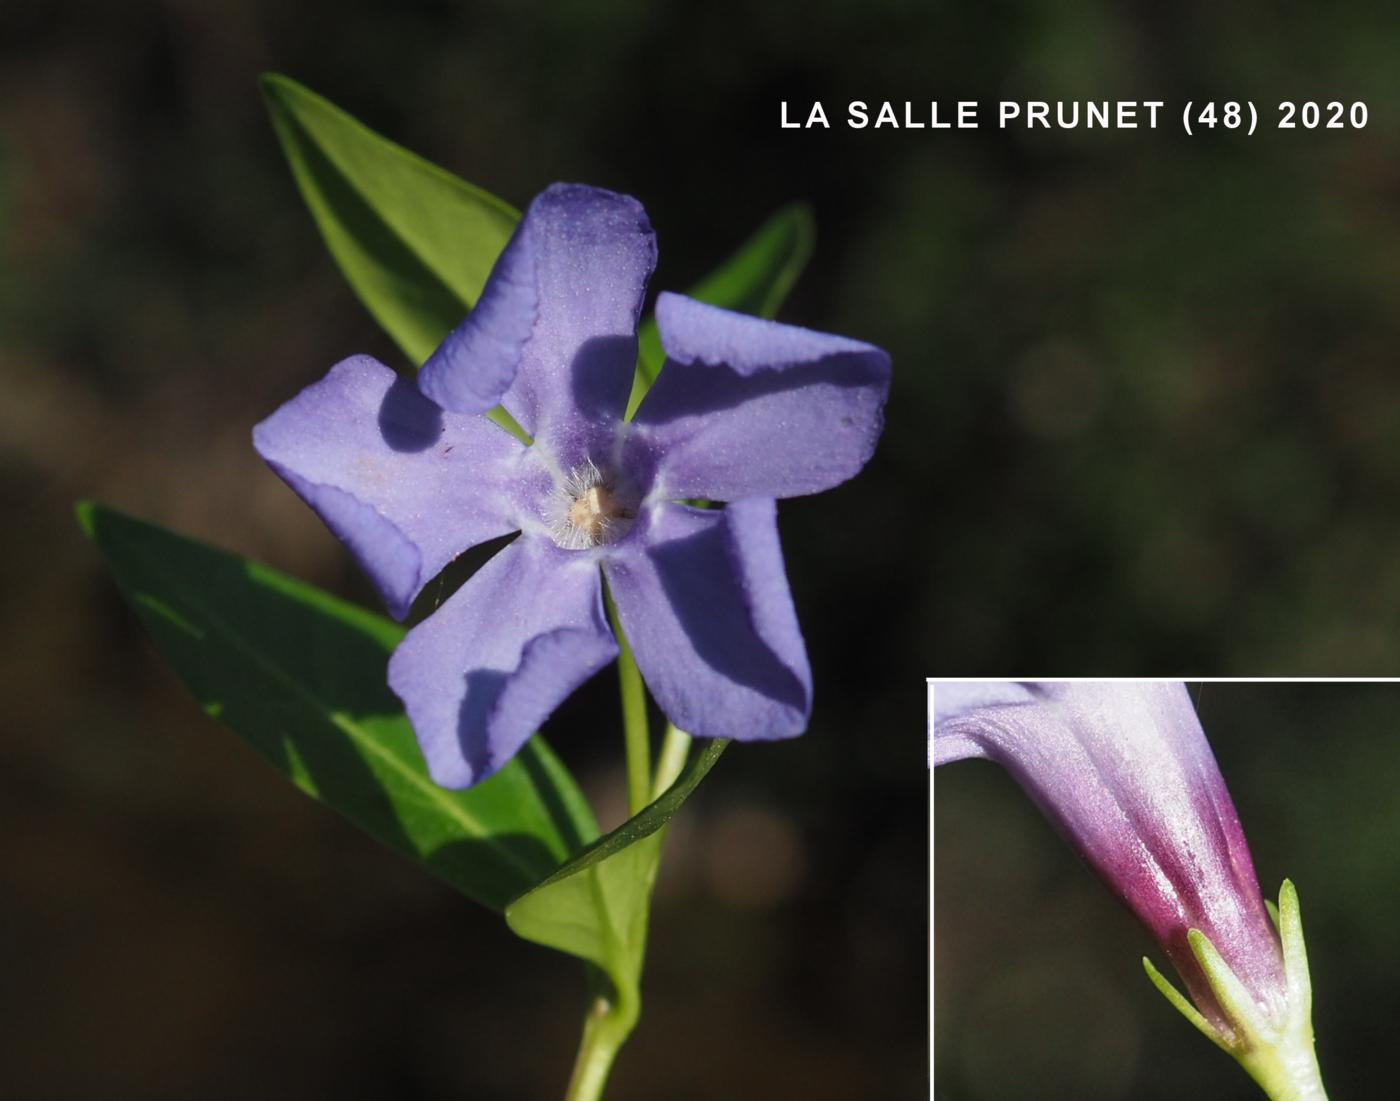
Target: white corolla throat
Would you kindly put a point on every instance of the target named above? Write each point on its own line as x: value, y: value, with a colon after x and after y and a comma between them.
x: 589, y: 509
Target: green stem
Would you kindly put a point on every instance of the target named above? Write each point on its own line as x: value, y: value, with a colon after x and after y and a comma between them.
x: 1287, y: 1074
x: 604, y: 1031
x: 612, y: 1016
x: 636, y: 736
x: 675, y: 746
x: 611, y: 1019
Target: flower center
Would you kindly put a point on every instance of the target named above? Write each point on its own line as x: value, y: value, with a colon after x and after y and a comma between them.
x: 590, y: 509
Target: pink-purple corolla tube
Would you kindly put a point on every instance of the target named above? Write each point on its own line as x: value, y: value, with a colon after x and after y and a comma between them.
x: 1124, y: 772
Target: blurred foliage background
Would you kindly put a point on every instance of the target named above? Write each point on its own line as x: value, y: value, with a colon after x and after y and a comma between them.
x: 1144, y: 421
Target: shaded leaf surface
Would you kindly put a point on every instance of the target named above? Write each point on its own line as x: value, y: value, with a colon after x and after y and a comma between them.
x: 415, y: 242
x: 299, y: 675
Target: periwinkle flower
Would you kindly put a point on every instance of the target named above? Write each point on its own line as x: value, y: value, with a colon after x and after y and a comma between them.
x: 743, y: 412
x: 1125, y: 773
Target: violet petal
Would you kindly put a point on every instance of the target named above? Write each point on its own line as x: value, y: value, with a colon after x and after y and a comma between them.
x: 405, y: 485
x: 750, y: 408
x: 481, y: 674
x: 592, y: 252
x: 704, y: 602
x: 954, y: 699
x: 476, y: 364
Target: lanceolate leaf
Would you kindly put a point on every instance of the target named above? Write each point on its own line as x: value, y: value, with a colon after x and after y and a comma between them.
x: 415, y: 242
x: 596, y: 905
x: 756, y: 279
x: 299, y: 675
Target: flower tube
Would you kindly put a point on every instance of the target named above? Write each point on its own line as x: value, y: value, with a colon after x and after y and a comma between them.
x: 1123, y: 770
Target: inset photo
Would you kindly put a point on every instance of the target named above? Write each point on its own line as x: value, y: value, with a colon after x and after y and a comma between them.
x: 1223, y: 887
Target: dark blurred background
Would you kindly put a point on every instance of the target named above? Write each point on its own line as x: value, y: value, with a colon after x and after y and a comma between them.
x: 1040, y: 988
x: 1145, y: 419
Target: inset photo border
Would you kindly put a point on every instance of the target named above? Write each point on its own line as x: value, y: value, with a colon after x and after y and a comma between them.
x: 1135, y: 880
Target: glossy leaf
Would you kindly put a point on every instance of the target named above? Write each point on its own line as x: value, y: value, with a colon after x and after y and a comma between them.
x: 596, y: 905
x: 755, y: 280
x: 415, y: 242
x: 299, y: 674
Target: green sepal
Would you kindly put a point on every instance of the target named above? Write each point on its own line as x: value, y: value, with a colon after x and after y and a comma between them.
x: 1232, y: 995
x: 1276, y: 1051
x: 1295, y: 952
x: 1182, y: 1005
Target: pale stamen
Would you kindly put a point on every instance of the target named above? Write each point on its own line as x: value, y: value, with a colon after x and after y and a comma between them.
x: 588, y: 510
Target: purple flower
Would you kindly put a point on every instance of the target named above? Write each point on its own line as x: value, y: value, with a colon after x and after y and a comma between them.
x: 1124, y: 771
x: 745, y: 411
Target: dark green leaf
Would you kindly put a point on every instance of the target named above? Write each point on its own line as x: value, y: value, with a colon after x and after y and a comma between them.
x: 755, y: 280
x: 299, y: 675
x: 415, y: 242
x: 596, y: 905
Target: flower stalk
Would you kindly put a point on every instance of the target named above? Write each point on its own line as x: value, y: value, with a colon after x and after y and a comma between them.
x: 605, y: 1030
x: 614, y: 1013
x: 635, y: 733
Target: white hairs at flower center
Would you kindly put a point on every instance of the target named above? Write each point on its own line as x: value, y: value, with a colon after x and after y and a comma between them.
x: 589, y: 510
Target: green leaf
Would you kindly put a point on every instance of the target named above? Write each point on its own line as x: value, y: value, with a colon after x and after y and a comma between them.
x: 755, y: 280
x: 299, y: 674
x: 596, y: 905
x: 415, y: 242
